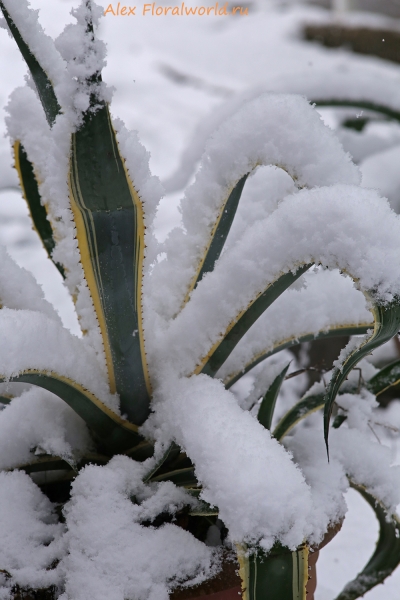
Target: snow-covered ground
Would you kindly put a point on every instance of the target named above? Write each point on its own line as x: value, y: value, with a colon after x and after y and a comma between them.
x: 170, y: 74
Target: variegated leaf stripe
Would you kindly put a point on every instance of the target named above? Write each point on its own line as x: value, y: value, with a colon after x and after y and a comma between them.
x: 385, y: 378
x: 30, y: 191
x: 305, y: 407
x: 218, y: 235
x: 42, y: 81
x: 114, y: 433
x: 220, y: 351
x: 278, y: 575
x: 386, y: 556
x: 337, y: 330
x: 110, y: 224
x: 267, y: 407
x: 386, y: 325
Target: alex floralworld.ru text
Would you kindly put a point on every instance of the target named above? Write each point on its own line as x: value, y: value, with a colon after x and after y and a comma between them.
x: 120, y: 10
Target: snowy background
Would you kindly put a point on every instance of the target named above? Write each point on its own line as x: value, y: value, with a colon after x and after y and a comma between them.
x: 170, y: 74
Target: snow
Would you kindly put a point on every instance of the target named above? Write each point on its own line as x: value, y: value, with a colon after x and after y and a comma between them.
x: 238, y: 62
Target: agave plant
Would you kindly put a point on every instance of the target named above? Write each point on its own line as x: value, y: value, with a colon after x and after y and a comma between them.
x: 128, y: 467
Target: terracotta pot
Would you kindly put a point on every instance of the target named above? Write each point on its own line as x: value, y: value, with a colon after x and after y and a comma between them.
x: 227, y: 584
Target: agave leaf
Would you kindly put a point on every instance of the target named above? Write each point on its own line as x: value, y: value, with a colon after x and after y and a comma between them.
x: 5, y: 399
x: 386, y: 557
x: 114, y: 433
x: 180, y: 477
x: 30, y: 191
x: 203, y: 509
x: 267, y: 407
x: 57, y: 463
x: 387, y: 324
x: 279, y: 575
x: 43, y: 84
x: 237, y: 328
x: 171, y: 451
x: 337, y: 330
x: 385, y: 378
x: 361, y: 104
x: 305, y: 407
x: 110, y: 229
x: 218, y: 234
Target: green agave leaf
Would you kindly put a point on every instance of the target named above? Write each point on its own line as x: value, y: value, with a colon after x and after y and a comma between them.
x: 237, y: 328
x: 30, y: 190
x: 57, y: 463
x: 5, y: 400
x: 385, y: 378
x: 219, y: 234
x: 267, y: 406
x: 387, y: 324
x: 171, y: 452
x: 203, y: 509
x: 114, y: 433
x: 278, y: 575
x: 180, y: 477
x: 305, y: 407
x: 110, y: 229
x: 386, y: 557
x: 42, y: 82
x: 361, y: 104
x: 339, y: 330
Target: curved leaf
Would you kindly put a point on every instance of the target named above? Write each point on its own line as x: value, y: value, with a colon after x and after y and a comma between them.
x: 279, y: 575
x: 218, y: 234
x: 5, y: 400
x: 267, y: 407
x: 57, y: 463
x: 30, y: 191
x: 110, y: 230
x: 112, y: 432
x: 180, y: 477
x: 336, y: 331
x: 386, y: 557
x: 386, y: 378
x: 387, y: 324
x: 237, y: 329
x: 42, y: 82
x: 300, y: 411
x: 171, y: 452
x: 363, y: 104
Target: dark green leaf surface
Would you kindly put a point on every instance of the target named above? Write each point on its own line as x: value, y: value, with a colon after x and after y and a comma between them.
x: 30, y: 190
x: 360, y: 104
x: 280, y: 575
x: 385, y: 379
x: 172, y: 451
x: 300, y: 411
x: 282, y: 345
x: 109, y: 219
x: 386, y: 557
x: 5, y: 400
x: 42, y: 82
x: 115, y: 434
x: 387, y: 324
x: 221, y: 230
x: 267, y: 407
x: 237, y: 329
x: 180, y: 477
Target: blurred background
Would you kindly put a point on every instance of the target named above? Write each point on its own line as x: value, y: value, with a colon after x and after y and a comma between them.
x: 176, y: 77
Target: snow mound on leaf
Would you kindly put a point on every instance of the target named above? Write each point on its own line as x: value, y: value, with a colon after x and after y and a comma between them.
x: 31, y: 538
x: 111, y: 554
x: 33, y: 341
x: 274, y: 129
x: 39, y: 422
